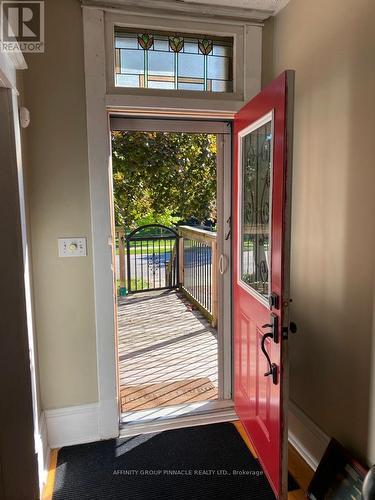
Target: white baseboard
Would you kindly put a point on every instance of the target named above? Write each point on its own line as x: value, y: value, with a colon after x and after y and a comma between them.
x: 73, y: 425
x: 108, y: 418
x: 80, y: 424
x: 306, y: 437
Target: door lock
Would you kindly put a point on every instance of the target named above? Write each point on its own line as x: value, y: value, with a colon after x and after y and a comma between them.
x: 274, y: 301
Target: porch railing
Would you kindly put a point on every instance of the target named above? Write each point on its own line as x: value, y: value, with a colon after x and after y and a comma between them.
x: 146, y: 259
x: 120, y: 260
x: 198, y: 269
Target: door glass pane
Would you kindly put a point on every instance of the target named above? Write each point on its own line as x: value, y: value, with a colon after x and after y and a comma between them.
x: 255, y: 230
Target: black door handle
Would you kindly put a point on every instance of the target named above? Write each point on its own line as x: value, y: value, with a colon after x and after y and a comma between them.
x: 272, y: 366
x: 274, y: 325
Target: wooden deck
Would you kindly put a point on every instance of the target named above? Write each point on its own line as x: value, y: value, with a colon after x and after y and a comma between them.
x: 167, y: 352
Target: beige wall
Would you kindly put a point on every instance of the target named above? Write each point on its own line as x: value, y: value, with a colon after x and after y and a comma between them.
x: 58, y: 186
x: 331, y: 45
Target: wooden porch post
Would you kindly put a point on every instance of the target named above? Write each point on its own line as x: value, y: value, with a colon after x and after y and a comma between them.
x: 121, y: 248
x: 181, y: 262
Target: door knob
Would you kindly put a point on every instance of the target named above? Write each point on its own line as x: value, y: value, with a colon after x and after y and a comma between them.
x: 272, y: 366
x: 292, y: 327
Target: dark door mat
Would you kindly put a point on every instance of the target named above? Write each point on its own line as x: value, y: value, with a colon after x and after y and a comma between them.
x: 195, y: 463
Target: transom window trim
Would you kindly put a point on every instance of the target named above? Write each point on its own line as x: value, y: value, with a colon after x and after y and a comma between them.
x: 174, y: 61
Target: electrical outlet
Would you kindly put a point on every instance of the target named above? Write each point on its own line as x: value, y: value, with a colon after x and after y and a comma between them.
x: 72, y: 247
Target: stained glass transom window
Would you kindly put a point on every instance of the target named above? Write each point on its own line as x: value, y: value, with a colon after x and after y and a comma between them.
x: 173, y: 61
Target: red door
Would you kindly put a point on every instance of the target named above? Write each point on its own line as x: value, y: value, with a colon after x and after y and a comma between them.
x: 261, y: 214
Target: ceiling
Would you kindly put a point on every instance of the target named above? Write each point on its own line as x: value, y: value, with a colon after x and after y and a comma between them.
x: 268, y: 5
x: 243, y: 10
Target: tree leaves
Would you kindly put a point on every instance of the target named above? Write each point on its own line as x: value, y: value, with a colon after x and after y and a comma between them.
x: 163, y: 175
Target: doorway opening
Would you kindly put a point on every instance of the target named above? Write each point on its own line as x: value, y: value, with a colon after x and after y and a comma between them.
x: 174, y: 347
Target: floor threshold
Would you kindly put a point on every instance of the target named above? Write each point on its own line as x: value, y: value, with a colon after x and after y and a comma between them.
x: 175, y: 417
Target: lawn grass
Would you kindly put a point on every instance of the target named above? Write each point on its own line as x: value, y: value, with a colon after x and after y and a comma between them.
x: 137, y: 250
x: 138, y: 284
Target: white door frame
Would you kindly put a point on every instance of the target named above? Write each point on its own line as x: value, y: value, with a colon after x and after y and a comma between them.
x: 223, y: 132
x: 99, y: 105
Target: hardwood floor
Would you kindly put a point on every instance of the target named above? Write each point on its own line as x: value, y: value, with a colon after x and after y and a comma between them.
x: 297, y: 467
x: 50, y: 483
x: 300, y: 470
x: 167, y: 352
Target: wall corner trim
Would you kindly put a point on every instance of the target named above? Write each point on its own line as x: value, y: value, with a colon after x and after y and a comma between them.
x: 99, y: 161
x: 43, y: 451
x: 73, y: 425
x: 306, y: 437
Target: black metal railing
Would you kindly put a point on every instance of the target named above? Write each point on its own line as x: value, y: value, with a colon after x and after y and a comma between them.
x: 199, y: 268
x: 197, y: 271
x: 152, y: 258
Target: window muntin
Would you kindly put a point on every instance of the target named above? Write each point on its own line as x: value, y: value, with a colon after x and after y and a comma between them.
x: 169, y: 61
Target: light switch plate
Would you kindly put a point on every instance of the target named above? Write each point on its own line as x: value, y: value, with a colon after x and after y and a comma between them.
x: 72, y: 247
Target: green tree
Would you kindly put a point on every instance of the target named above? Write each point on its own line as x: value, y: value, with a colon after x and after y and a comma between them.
x: 163, y: 177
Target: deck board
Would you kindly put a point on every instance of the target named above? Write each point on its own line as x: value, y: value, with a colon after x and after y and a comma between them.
x: 167, y: 351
